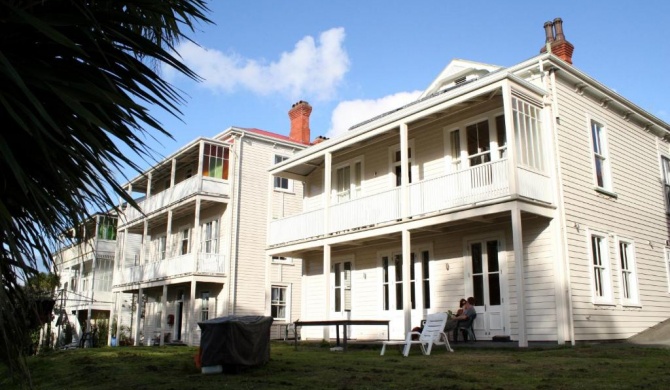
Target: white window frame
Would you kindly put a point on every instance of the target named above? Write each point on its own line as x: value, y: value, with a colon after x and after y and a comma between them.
x: 600, y: 152
x: 666, y: 254
x: 277, y: 182
x: 204, y: 305
x: 414, y: 169
x: 665, y: 176
x: 286, y: 303
x: 355, y: 183
x: 214, y: 238
x: 629, y: 274
x: 462, y: 161
x: 161, y: 247
x: 418, y: 281
x: 605, y: 281
x: 182, y: 239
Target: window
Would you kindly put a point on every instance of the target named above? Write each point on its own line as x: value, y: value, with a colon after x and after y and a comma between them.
x: 162, y: 247
x: 342, y: 286
x: 501, y: 136
x: 628, y: 276
x: 665, y: 162
x: 600, y: 159
x: 281, y: 259
x: 215, y: 160
x: 278, y: 303
x: 455, y: 149
x: 209, y: 236
x: 107, y: 228
x: 204, y: 303
x: 667, y: 265
x: 395, y: 163
x: 425, y: 270
x: 386, y: 284
x: 392, y: 281
x: 348, y: 181
x: 281, y: 183
x: 183, y: 247
x: 478, y: 143
x: 602, y: 285
x: 528, y: 134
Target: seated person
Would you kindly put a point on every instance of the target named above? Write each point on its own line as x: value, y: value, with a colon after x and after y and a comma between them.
x: 460, y: 306
x: 468, y: 312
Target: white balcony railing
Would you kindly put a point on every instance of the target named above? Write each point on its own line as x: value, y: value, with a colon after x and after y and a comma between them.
x: 477, y: 184
x: 184, y: 189
x: 181, y: 265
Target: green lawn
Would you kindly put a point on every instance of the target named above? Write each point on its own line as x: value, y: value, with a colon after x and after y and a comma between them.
x: 593, y: 366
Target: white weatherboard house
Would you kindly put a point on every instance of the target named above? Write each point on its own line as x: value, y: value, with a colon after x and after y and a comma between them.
x: 535, y: 189
x: 85, y: 262
x: 196, y: 251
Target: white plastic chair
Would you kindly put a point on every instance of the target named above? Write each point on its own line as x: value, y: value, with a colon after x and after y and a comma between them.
x: 432, y: 334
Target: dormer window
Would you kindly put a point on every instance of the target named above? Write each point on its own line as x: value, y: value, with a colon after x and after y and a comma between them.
x: 460, y: 80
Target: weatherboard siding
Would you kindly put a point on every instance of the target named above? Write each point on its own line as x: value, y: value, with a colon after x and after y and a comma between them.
x: 636, y: 213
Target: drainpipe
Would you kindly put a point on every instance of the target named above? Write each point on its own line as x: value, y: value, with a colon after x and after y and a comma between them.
x: 236, y: 207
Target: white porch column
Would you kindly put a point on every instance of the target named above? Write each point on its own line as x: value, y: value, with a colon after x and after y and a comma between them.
x: 200, y: 155
x: 191, y: 320
x: 327, y: 188
x: 170, y: 246
x: 517, y: 238
x: 406, y: 276
x: 326, y: 280
x: 149, y: 185
x: 511, y: 138
x: 138, y: 313
x: 173, y: 172
x: 163, y: 314
x: 112, y: 312
x: 145, y: 238
x: 195, y: 245
x: 404, y: 172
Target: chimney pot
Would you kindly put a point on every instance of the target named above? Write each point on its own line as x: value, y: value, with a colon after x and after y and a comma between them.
x: 299, y: 115
x: 549, y: 31
x: 558, y: 25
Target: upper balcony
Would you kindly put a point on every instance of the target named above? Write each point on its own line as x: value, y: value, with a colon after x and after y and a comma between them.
x: 200, y: 168
x: 192, y: 264
x: 466, y: 188
x: 480, y: 143
x: 192, y: 186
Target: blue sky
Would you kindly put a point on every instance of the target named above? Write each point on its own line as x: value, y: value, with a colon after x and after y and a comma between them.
x: 354, y: 59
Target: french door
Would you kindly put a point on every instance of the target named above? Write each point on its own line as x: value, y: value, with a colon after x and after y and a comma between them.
x: 485, y: 285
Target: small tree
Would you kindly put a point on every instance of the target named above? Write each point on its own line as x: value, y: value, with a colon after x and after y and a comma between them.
x: 77, y: 79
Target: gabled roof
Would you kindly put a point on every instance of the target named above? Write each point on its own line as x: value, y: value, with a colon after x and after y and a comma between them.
x: 458, y: 69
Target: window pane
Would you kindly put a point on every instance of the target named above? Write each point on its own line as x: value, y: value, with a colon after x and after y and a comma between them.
x: 492, y: 255
x: 478, y: 286
x: 494, y: 289
x: 477, y: 266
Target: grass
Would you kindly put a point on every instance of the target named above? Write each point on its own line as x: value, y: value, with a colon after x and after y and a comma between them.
x: 314, y: 366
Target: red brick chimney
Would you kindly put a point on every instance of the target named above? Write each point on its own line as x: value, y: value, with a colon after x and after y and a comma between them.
x: 555, y: 39
x: 299, y: 114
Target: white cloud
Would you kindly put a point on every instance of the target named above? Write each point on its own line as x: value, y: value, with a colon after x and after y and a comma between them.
x: 352, y: 112
x: 312, y: 70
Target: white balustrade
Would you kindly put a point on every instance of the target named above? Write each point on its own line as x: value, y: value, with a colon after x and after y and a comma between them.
x: 365, y: 211
x: 297, y: 227
x: 180, y: 265
x: 179, y: 191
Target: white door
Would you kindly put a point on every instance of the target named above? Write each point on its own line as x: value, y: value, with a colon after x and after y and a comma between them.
x: 341, y: 289
x: 485, y: 286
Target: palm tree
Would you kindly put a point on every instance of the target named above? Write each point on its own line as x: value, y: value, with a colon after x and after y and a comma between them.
x: 77, y: 81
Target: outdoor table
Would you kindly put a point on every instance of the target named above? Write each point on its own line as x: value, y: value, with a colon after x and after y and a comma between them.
x: 344, y: 324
